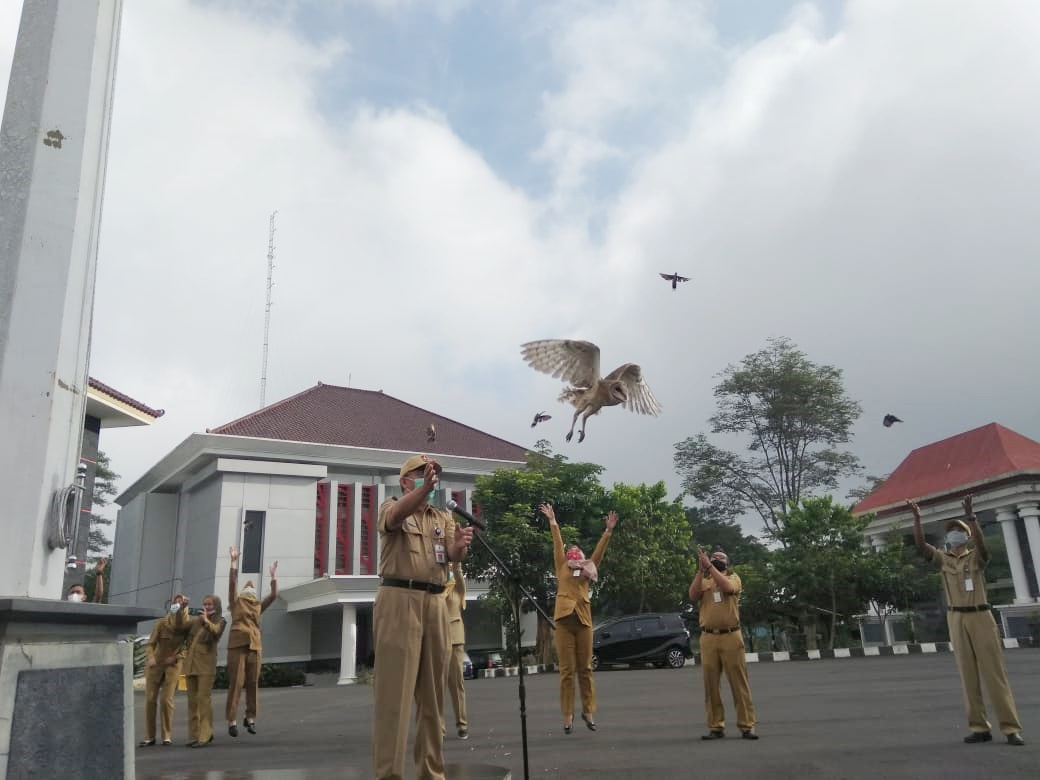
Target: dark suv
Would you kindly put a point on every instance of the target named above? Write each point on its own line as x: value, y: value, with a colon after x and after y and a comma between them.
x: 658, y: 639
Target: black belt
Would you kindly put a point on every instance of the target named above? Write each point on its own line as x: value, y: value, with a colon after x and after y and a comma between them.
x: 413, y: 585
x: 720, y: 630
x: 979, y: 608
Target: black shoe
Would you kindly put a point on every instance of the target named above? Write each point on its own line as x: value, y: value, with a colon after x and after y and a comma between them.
x: 978, y: 736
x: 193, y: 743
x: 714, y: 734
x: 749, y: 734
x: 567, y: 729
x: 232, y: 729
x: 146, y: 743
x: 250, y: 726
x: 463, y: 734
x: 1015, y: 739
x: 167, y: 742
x: 588, y: 722
x: 203, y: 744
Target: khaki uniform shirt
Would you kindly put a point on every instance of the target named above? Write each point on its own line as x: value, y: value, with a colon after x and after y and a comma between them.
x: 408, y: 553
x: 721, y: 612
x: 202, y: 646
x: 245, y: 615
x: 572, y: 593
x: 168, y: 637
x: 455, y: 596
x: 963, y: 577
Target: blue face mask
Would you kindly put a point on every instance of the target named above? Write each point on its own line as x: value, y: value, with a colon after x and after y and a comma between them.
x: 419, y: 481
x: 956, y: 538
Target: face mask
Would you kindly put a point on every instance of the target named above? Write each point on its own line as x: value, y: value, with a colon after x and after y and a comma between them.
x: 575, y: 555
x: 209, y: 610
x: 720, y: 565
x: 451, y: 576
x: 419, y: 482
x: 175, y: 608
x: 75, y: 597
x: 956, y: 538
x: 249, y: 592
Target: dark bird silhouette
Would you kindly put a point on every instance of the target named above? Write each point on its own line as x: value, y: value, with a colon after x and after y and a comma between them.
x: 674, y: 279
x: 577, y: 363
x: 431, y: 434
x: 889, y: 419
x: 540, y: 417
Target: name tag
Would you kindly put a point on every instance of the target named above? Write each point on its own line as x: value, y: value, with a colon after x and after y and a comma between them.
x: 969, y: 585
x: 718, y: 596
x: 576, y: 572
x: 439, y: 554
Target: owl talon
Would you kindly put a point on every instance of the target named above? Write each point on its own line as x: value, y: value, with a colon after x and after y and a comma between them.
x: 581, y: 436
x: 570, y: 435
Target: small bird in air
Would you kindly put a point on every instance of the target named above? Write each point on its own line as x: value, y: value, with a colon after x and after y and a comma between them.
x: 889, y: 419
x: 674, y: 279
x: 540, y: 417
x: 577, y: 363
x: 431, y: 434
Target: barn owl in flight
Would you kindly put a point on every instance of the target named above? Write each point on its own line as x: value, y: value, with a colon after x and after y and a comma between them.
x: 577, y: 363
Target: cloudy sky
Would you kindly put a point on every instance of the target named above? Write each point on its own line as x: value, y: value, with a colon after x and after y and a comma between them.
x: 454, y: 177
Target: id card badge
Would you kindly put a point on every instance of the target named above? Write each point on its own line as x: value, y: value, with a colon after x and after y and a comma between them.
x: 969, y: 585
x: 439, y: 553
x: 718, y: 596
x: 576, y: 573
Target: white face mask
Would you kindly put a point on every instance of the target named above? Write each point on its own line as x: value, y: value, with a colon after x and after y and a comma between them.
x: 75, y: 597
x: 250, y: 592
x: 175, y: 608
x: 956, y: 538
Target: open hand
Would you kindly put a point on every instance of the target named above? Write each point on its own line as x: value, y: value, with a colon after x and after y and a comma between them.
x: 611, y: 520
x: 703, y: 559
x: 914, y: 508
x: 969, y: 513
x: 274, y: 570
x: 547, y: 510
x: 233, y: 553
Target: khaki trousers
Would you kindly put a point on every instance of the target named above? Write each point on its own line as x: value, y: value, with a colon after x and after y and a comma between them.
x: 200, y: 707
x: 456, y: 686
x: 160, y: 682
x: 574, y: 654
x: 980, y: 656
x: 243, y: 668
x: 725, y: 653
x: 412, y: 647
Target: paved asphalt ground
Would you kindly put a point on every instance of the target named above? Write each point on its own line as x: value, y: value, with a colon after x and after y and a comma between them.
x: 878, y: 718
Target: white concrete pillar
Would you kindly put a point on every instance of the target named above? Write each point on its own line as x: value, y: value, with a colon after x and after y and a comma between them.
x: 376, y: 541
x: 52, y: 172
x: 877, y: 542
x: 1006, y: 517
x: 1030, y: 514
x: 355, y: 530
x: 348, y: 646
x: 330, y: 525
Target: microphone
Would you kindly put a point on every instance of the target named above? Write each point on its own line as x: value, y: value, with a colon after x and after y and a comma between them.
x: 454, y: 507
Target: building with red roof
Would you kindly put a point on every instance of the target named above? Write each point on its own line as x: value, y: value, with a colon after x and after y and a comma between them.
x: 299, y: 481
x: 1001, y: 469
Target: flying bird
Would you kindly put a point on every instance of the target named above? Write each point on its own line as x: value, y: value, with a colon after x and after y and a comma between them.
x: 674, y: 279
x: 577, y: 363
x: 889, y: 419
x: 431, y: 434
x: 540, y: 417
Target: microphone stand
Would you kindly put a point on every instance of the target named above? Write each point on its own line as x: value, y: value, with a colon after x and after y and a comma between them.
x: 507, y: 573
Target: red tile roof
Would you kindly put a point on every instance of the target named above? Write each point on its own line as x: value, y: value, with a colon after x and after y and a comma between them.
x: 101, y: 387
x: 985, y: 454
x: 327, y: 414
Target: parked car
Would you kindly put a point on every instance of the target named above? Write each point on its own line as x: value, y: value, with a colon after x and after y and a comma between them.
x: 485, y: 659
x: 467, y: 667
x: 660, y: 639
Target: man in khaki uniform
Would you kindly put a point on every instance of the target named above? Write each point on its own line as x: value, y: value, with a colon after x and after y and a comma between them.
x: 455, y: 600
x: 722, y: 644
x: 163, y: 669
x: 973, y: 631
x: 410, y: 623
x: 244, y: 648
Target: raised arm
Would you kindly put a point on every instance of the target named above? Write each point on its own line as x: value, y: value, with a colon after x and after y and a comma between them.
x: 233, y: 577
x: 273, y: 594
x: 550, y: 514
x: 601, y: 546
x: 923, y: 547
x: 99, y: 580
x: 976, y: 529
x: 408, y: 503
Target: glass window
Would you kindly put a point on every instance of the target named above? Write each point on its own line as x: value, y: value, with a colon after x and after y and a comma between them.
x: 253, y: 541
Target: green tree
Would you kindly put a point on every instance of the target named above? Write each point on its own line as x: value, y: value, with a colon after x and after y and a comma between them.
x: 508, y: 501
x: 793, y: 414
x: 711, y: 531
x: 823, y: 562
x: 104, y: 490
x: 650, y: 561
x: 895, y: 578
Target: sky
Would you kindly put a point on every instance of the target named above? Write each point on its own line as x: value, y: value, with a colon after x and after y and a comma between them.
x: 454, y: 178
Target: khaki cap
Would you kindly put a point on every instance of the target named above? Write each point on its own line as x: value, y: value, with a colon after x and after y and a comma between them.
x: 418, y: 462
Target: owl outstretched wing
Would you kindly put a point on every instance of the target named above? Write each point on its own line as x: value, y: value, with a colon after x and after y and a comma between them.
x: 640, y: 397
x: 576, y: 362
